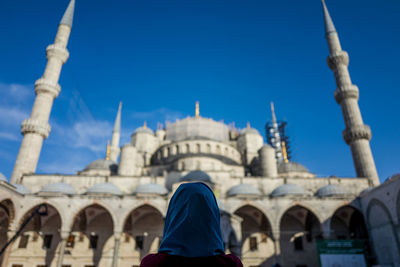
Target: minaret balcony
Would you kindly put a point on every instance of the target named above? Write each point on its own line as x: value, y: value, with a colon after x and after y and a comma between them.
x: 348, y: 91
x: 35, y: 126
x: 356, y: 133
x: 338, y: 58
x: 57, y: 51
x: 44, y: 86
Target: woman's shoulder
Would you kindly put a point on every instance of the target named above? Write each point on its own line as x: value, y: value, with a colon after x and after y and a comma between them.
x: 162, y: 259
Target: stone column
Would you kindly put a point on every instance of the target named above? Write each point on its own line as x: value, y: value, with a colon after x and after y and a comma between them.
x: 36, y: 128
x: 117, y: 238
x: 63, y: 243
x: 277, y: 248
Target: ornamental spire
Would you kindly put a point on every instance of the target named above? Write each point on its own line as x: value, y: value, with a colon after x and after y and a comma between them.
x: 68, y: 17
x: 197, y: 111
x: 273, y: 112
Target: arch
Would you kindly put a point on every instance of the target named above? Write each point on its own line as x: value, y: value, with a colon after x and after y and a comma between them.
x: 383, y: 233
x: 208, y: 148
x: 347, y: 222
x: 177, y: 149
x: 302, y: 205
x: 198, y: 148
x: 299, y: 230
x: 144, y: 228
x: 187, y: 148
x: 256, y: 236
x: 44, y: 227
x: 93, y: 229
x: 103, y: 205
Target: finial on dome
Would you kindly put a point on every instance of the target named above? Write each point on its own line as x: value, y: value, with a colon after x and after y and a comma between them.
x: 68, y: 17
x: 248, y: 125
x: 329, y: 26
x: 197, y: 111
x: 145, y: 124
x: 108, y: 150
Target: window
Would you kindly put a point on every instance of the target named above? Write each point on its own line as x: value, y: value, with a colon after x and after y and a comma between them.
x: 71, y: 241
x: 253, y: 243
x: 127, y: 238
x: 81, y: 237
x: 208, y: 148
x: 198, y: 148
x: 218, y: 150
x: 41, y: 265
x: 35, y: 237
x: 17, y: 265
x: 139, y: 242
x: 23, y: 242
x: 66, y: 265
x: 301, y: 265
x: 47, y: 241
x: 298, y: 243
x: 93, y: 241
x: 177, y: 149
x: 187, y: 148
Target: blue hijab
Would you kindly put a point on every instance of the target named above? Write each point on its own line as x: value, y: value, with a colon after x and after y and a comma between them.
x: 192, y: 226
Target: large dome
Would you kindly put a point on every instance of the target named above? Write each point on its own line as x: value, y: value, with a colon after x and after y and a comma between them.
x: 243, y: 190
x: 144, y: 130
x: 197, y: 128
x: 151, y: 189
x: 104, y: 188
x: 288, y: 190
x: 61, y: 188
x: 286, y: 167
x: 21, y: 189
x: 249, y: 131
x: 102, y: 164
x: 198, y: 176
x: 331, y: 190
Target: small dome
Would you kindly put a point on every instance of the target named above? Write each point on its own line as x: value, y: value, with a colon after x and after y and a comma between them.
x: 144, y: 130
x: 249, y: 131
x: 287, y: 190
x: 3, y: 178
x: 21, y: 189
x: 243, y: 189
x: 102, y: 164
x: 61, y: 188
x: 104, y: 188
x: 198, y: 176
x: 151, y: 189
x: 331, y: 190
x: 285, y: 167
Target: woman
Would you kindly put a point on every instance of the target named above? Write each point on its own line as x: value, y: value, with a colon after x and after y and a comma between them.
x: 192, y: 233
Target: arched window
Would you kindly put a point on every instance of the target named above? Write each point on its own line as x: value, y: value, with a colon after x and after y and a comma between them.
x: 218, y: 149
x: 187, y: 148
x: 177, y: 149
x: 198, y: 150
x: 208, y: 148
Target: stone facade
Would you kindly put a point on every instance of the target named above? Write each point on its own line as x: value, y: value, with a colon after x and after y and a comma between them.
x: 111, y: 213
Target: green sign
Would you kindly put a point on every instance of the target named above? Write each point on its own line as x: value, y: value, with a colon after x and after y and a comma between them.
x: 341, y: 253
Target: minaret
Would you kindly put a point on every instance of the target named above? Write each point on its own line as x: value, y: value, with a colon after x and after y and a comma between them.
x: 276, y: 138
x: 36, y: 127
x: 114, y: 149
x: 356, y: 133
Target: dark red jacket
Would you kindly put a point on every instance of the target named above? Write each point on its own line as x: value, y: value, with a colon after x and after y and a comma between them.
x: 165, y: 260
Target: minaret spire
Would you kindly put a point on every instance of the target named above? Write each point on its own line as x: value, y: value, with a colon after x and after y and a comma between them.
x: 275, y: 136
x: 114, y: 148
x: 197, y: 109
x: 36, y: 128
x: 68, y: 17
x: 356, y: 133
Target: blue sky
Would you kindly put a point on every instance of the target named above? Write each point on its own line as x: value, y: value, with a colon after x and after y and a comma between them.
x: 158, y: 57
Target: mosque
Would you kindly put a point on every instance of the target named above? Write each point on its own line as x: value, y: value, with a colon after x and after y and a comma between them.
x: 274, y: 210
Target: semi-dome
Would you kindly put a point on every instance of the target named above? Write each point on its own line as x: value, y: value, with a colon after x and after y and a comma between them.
x: 104, y: 188
x: 3, y: 178
x: 143, y: 130
x: 243, y: 189
x: 286, y: 167
x: 61, y: 188
x: 249, y: 131
x: 151, y: 189
x: 331, y: 190
x: 198, y: 176
x: 102, y: 164
x: 288, y: 190
x: 21, y: 189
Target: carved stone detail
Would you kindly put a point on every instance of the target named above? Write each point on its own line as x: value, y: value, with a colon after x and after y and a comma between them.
x: 356, y: 133
x: 44, y: 86
x: 34, y: 126
x: 57, y: 51
x: 349, y: 91
x: 340, y: 57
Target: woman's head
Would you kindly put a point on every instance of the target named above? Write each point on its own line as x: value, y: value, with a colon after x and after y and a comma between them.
x: 192, y: 226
